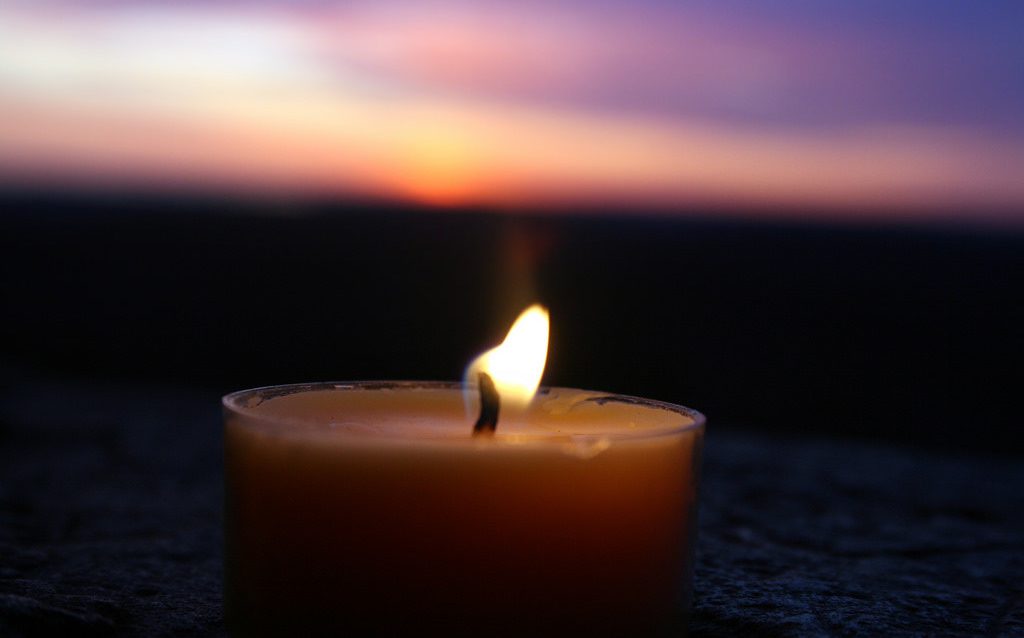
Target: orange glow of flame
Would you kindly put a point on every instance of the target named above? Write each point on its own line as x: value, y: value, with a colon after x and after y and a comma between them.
x: 517, y: 365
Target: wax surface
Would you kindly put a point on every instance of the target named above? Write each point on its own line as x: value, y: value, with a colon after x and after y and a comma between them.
x: 376, y: 510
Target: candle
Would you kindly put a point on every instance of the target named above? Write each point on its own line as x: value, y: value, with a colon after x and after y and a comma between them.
x: 371, y: 508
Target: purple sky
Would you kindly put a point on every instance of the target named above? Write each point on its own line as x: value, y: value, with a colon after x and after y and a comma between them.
x: 878, y: 104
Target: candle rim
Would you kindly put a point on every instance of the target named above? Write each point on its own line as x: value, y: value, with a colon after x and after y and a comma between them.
x: 231, y: 403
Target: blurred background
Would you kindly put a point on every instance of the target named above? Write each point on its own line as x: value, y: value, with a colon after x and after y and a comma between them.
x: 798, y: 217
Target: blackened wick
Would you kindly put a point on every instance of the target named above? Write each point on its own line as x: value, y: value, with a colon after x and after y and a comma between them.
x: 489, y: 404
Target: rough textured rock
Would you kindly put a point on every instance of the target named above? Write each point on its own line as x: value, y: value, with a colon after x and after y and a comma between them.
x: 110, y: 526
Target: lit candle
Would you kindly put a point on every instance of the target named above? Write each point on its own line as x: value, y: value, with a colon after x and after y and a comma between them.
x: 372, y: 508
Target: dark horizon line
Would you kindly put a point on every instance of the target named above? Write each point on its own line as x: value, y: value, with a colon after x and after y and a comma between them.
x: 291, y: 204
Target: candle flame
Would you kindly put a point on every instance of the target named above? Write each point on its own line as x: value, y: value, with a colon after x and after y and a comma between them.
x: 517, y: 365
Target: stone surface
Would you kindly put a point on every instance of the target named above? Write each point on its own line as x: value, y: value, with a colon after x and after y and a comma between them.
x: 110, y: 525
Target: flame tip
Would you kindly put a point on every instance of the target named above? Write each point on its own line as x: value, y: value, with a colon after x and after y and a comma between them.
x: 517, y: 364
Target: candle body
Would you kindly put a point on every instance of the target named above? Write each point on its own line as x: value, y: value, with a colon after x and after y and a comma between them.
x: 413, y: 526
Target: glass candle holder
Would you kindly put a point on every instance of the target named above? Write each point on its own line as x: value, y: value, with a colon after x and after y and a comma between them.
x: 370, y: 509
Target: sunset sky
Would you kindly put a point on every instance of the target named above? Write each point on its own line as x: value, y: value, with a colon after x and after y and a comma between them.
x: 855, y: 105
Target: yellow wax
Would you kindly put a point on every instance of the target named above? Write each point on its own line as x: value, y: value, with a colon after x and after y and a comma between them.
x: 370, y: 509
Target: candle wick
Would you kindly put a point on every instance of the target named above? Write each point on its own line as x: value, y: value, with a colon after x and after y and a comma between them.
x: 489, y: 404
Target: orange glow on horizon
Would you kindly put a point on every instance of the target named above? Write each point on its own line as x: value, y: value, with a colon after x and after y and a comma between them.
x: 500, y: 156
x: 437, y: 168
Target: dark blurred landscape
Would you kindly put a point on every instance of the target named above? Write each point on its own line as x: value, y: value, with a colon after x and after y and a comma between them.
x: 899, y: 332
